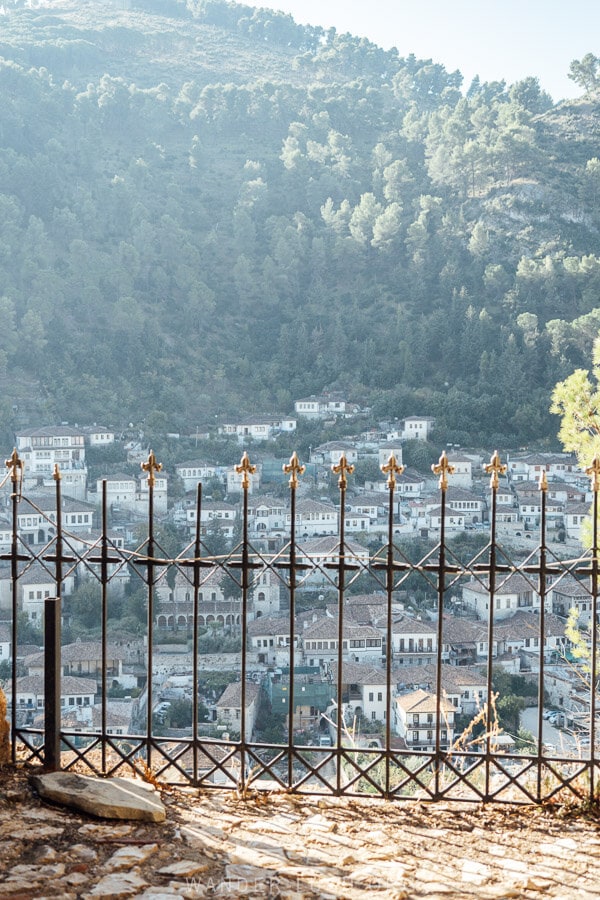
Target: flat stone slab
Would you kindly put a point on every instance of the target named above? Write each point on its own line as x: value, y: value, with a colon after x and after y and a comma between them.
x: 107, y: 798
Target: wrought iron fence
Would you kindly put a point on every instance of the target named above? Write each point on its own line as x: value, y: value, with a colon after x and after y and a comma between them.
x: 410, y: 753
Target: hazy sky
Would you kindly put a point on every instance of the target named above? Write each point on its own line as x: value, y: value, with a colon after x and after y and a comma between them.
x: 495, y: 39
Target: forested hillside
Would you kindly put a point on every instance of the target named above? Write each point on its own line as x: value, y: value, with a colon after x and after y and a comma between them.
x: 207, y: 209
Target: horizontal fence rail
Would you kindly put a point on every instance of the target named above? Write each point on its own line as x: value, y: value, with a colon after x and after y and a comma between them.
x: 415, y: 747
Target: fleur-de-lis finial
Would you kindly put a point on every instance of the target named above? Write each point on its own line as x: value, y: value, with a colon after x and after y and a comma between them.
x: 343, y: 468
x: 594, y: 472
x: 392, y: 469
x: 16, y: 466
x: 245, y: 469
x: 495, y: 468
x: 293, y: 469
x: 443, y: 468
x: 151, y: 466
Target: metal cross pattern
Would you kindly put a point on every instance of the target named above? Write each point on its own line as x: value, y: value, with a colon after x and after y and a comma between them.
x: 443, y: 468
x: 495, y: 468
x: 342, y: 469
x: 594, y: 472
x: 151, y: 466
x: 293, y: 469
x: 392, y: 468
x: 245, y: 469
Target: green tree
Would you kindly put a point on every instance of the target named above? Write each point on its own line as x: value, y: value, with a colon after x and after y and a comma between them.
x: 585, y: 72
x: 577, y: 401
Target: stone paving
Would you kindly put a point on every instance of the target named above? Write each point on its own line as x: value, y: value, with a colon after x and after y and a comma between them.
x: 288, y: 847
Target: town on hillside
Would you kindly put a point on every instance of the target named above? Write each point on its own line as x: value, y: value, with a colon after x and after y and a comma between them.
x: 99, y: 465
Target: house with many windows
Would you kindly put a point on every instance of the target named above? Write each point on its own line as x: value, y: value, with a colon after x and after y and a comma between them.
x: 414, y: 642
x: 269, y: 638
x: 464, y: 501
x: 569, y: 593
x: 132, y: 493
x: 41, y: 449
x: 320, y: 640
x: 213, y: 513
x: 196, y: 471
x: 30, y: 695
x: 364, y: 690
x: 415, y: 720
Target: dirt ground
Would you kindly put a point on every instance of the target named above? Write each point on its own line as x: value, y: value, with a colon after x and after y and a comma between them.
x: 288, y: 847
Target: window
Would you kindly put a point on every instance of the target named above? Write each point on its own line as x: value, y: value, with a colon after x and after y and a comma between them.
x: 380, y: 696
x: 373, y: 715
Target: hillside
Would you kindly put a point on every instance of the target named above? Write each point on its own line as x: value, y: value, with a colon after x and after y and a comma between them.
x: 209, y: 209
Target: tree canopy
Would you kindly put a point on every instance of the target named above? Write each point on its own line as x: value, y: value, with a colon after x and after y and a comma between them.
x: 207, y: 208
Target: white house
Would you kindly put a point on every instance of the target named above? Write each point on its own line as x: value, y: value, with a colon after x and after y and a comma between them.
x: 258, y: 428
x: 233, y: 481
x: 329, y: 454
x: 324, y: 554
x: 569, y: 593
x: 35, y: 586
x: 464, y: 687
x: 41, y: 449
x: 30, y: 694
x: 462, y: 477
x: 529, y: 467
x: 325, y: 406
x: 410, y: 484
x: 414, y: 642
x: 575, y: 514
x: 212, y: 512
x: 417, y: 428
x: 132, y: 493
x: 196, y: 471
x: 454, y: 519
x: 520, y: 633
x: 229, y: 706
x: 268, y: 516
x: 388, y: 449
x: 415, y: 720
x: 364, y: 690
x: 269, y: 638
x: 461, y: 500
x: 320, y: 640
x: 357, y: 522
x: 315, y: 518
x: 511, y: 594
x: 98, y: 435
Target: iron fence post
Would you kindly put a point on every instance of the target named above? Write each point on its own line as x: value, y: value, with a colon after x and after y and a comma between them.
x: 245, y: 469
x: 52, y: 673
x: 15, y: 465
x: 443, y: 469
x: 392, y: 470
x: 343, y: 468
x: 293, y: 469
